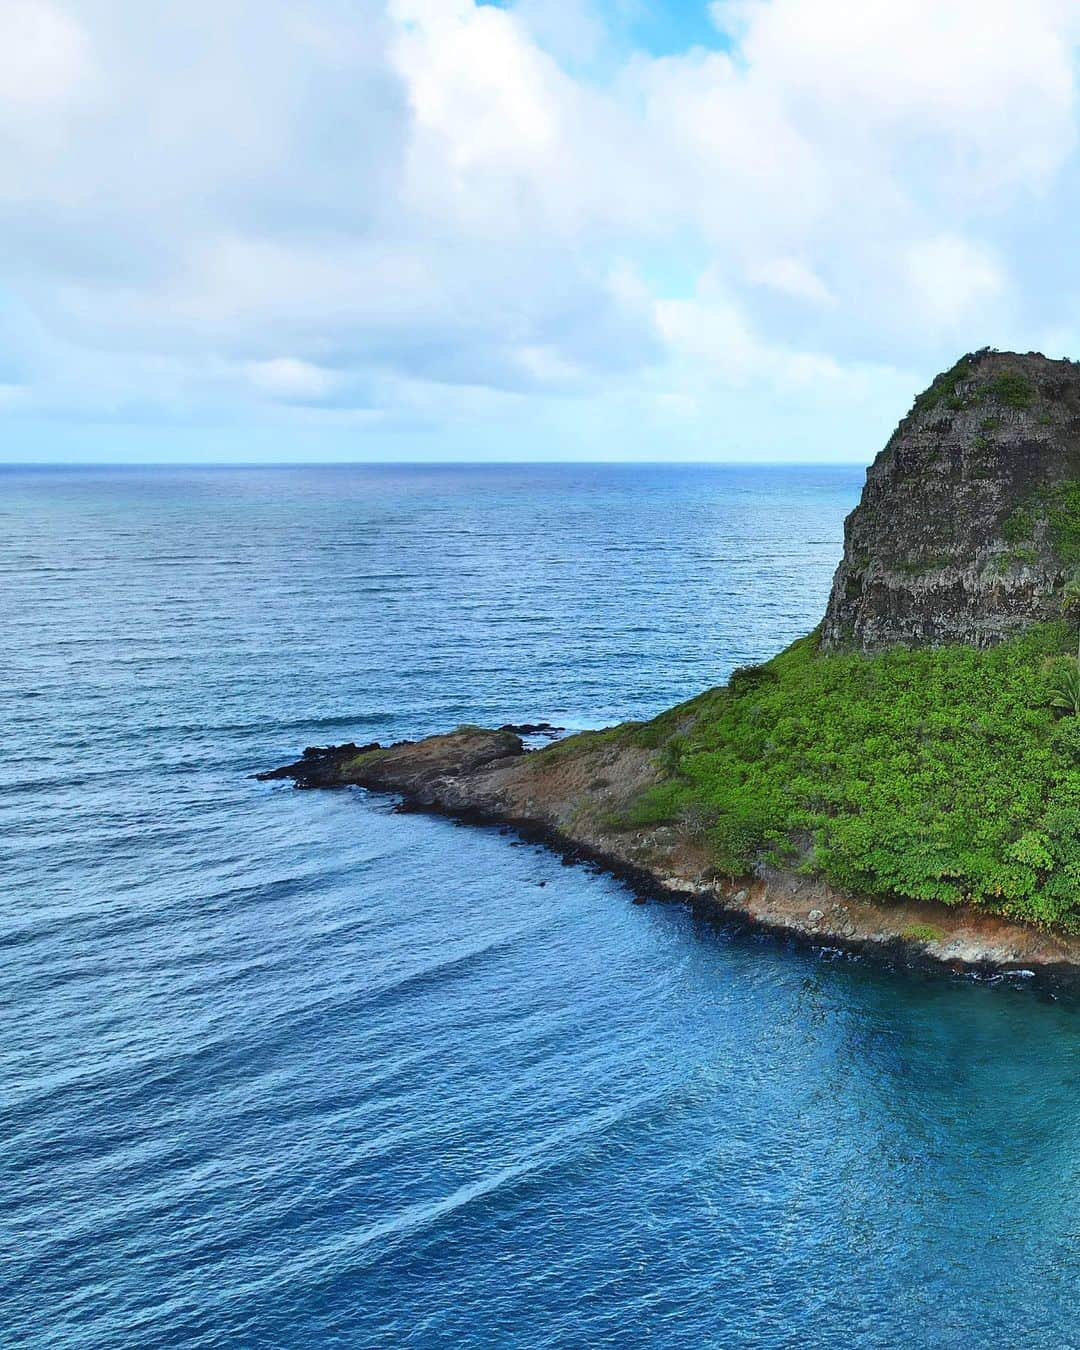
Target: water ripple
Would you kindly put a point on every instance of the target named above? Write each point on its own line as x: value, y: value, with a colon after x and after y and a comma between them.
x: 288, y: 1069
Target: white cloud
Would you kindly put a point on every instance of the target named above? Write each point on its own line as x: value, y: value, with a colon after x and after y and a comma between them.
x: 712, y: 332
x: 792, y: 277
x: 952, y: 278
x: 44, y: 54
x: 991, y: 81
x: 423, y: 208
x: 287, y: 378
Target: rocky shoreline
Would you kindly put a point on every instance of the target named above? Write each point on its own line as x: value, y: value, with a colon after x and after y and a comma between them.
x: 923, y: 741
x: 567, y: 797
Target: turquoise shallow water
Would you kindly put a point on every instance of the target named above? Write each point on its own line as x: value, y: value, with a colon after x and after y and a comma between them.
x: 288, y: 1069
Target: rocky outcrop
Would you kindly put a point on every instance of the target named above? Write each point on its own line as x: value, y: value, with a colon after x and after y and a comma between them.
x: 571, y: 796
x: 472, y: 771
x: 970, y: 518
x: 420, y: 769
x: 968, y: 527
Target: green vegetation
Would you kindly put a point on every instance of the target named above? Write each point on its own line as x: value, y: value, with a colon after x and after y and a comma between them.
x: 920, y: 567
x: 362, y: 759
x: 1026, y: 553
x: 1018, y: 526
x: 1060, y: 507
x: 934, y: 773
x: 582, y: 740
x: 923, y: 932
x: 1015, y: 391
x: 1069, y: 605
x: 1010, y: 389
x: 1065, y: 691
x: 943, y: 389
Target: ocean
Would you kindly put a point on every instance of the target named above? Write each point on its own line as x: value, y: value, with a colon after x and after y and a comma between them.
x: 285, y: 1068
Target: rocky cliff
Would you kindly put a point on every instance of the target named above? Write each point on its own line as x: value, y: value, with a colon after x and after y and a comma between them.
x: 969, y: 522
x: 925, y: 804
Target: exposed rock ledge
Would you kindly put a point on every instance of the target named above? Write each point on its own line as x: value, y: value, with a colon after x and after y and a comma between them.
x: 567, y: 798
x: 968, y: 523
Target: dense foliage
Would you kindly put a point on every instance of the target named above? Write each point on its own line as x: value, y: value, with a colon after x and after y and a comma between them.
x: 1014, y: 391
x: 936, y: 773
x: 1060, y: 507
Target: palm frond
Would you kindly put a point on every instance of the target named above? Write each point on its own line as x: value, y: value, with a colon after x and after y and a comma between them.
x: 1065, y: 691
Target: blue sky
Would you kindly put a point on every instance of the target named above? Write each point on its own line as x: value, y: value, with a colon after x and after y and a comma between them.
x: 543, y: 229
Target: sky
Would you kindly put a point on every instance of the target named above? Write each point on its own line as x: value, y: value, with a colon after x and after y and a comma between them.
x: 321, y: 230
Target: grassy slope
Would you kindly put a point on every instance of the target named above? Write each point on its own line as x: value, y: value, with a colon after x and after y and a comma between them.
x: 937, y: 773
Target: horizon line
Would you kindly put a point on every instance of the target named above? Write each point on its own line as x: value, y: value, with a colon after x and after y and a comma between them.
x: 435, y: 464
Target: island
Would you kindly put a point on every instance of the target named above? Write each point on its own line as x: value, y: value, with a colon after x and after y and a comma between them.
x: 903, y: 780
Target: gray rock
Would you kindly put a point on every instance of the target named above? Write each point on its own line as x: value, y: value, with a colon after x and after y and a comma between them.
x: 953, y: 540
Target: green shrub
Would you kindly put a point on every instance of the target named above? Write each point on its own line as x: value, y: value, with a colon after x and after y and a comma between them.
x: 745, y: 678
x: 670, y: 756
x: 1018, y: 526
x: 1015, y: 391
x: 648, y: 735
x: 1063, y: 521
x: 943, y: 389
x: 660, y: 805
x: 1064, y: 691
x: 934, y: 773
x: 920, y: 567
x: 736, y: 835
x: 1060, y: 507
x: 923, y: 932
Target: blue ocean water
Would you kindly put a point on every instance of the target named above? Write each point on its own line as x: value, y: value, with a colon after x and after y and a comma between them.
x: 288, y: 1069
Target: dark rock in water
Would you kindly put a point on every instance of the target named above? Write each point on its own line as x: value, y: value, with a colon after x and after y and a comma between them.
x: 319, y: 765
x: 421, y: 770
x: 531, y: 729
x: 969, y: 522
x: 329, y: 751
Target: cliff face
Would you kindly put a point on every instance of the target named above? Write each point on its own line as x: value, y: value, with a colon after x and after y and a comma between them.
x: 765, y: 799
x: 969, y: 522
